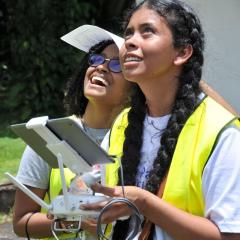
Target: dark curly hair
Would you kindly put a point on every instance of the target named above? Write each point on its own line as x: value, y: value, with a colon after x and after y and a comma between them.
x: 186, y: 29
x: 74, y: 101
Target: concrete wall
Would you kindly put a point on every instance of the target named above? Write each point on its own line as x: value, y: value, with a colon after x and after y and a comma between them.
x: 221, y: 24
x: 221, y: 20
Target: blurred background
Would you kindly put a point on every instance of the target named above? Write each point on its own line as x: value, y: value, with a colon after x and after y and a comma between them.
x: 220, y: 20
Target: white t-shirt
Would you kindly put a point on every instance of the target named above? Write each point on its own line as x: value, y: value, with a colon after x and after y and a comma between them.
x: 221, y: 176
x: 153, y: 129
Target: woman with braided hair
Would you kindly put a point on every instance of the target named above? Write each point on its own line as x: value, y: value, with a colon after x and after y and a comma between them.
x: 179, y: 148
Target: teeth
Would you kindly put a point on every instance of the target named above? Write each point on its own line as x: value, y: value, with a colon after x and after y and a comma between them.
x: 98, y: 80
x: 135, y: 59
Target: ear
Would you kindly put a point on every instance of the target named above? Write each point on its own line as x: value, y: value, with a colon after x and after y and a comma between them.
x: 183, y: 54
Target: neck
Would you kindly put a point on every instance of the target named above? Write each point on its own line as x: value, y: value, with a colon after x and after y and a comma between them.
x: 160, y: 96
x: 100, y: 116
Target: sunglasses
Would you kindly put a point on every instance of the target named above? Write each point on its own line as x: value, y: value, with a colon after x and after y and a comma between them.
x: 95, y: 60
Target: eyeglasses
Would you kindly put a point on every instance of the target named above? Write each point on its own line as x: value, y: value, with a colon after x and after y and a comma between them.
x: 95, y: 60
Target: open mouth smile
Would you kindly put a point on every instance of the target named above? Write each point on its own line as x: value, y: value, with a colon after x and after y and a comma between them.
x: 99, y: 81
x: 133, y: 59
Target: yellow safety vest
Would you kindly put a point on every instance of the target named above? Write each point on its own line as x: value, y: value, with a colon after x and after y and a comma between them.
x: 196, y: 141
x: 183, y: 187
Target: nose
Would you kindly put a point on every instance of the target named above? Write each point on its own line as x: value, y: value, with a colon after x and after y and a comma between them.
x: 132, y: 41
x: 103, y: 67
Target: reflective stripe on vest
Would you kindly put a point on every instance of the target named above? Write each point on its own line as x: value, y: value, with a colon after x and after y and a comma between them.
x: 183, y: 187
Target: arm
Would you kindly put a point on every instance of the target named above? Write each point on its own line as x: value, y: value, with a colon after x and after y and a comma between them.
x: 177, y: 223
x: 221, y: 189
x: 34, y: 173
x: 38, y: 225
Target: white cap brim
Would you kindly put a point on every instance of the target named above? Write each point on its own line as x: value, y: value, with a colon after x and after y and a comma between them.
x: 86, y: 36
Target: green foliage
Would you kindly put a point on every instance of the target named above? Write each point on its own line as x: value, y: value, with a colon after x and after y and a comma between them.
x: 35, y: 63
x: 40, y: 63
x: 11, y: 150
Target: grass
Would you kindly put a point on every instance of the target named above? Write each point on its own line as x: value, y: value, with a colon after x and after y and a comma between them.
x: 11, y: 150
x: 5, y: 217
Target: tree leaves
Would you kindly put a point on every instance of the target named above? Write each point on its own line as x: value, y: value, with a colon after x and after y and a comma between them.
x: 35, y: 63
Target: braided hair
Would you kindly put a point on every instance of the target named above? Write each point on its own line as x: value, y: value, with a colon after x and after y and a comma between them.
x: 74, y: 101
x: 186, y: 30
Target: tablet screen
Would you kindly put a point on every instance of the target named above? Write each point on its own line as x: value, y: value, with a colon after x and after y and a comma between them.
x: 71, y: 131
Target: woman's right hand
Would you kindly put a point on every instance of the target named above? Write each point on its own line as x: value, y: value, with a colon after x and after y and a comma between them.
x: 118, y: 210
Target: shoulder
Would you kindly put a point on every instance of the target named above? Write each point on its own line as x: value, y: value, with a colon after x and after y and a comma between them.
x: 33, y: 170
x: 221, y: 182
x: 29, y: 156
x: 228, y: 141
x: 226, y: 148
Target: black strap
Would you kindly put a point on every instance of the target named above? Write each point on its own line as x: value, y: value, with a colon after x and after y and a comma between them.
x: 26, y: 225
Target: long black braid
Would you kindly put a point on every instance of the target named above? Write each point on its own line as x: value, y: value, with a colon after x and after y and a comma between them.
x: 75, y: 102
x: 186, y: 29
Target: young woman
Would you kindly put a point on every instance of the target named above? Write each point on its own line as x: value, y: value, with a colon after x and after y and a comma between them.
x: 95, y: 96
x: 180, y: 151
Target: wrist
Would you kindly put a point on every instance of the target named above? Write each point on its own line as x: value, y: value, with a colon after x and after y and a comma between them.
x: 143, y: 202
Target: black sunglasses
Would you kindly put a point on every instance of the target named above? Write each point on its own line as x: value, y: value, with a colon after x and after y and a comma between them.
x: 95, y: 60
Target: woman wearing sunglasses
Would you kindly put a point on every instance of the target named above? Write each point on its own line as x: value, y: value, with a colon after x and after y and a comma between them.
x: 94, y: 97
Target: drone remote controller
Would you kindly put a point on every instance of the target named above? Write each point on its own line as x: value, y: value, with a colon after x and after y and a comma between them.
x: 73, y: 212
x: 68, y: 205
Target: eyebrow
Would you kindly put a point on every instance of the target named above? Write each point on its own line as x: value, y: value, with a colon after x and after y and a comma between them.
x: 147, y: 24
x: 142, y: 25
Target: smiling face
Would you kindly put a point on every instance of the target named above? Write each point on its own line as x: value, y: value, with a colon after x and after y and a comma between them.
x: 148, y: 52
x: 104, y: 86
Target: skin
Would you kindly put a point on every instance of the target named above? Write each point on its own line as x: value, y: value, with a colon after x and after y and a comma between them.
x: 105, y: 102
x: 155, y: 70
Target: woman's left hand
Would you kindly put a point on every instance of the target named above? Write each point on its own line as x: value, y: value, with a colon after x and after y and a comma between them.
x: 134, y: 194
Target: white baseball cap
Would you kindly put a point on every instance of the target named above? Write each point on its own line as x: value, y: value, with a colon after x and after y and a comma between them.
x: 86, y: 36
